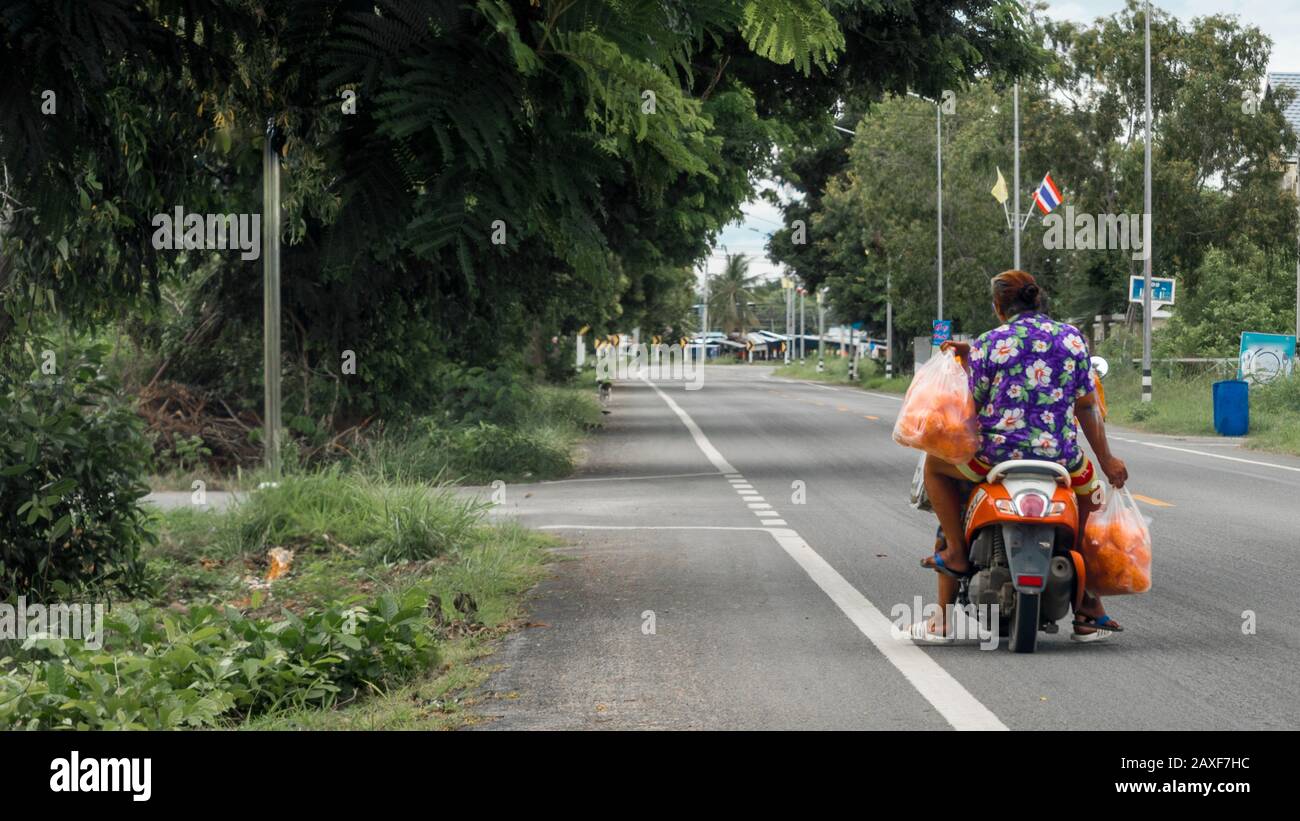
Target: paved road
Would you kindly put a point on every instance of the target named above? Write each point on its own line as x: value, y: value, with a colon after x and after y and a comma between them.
x: 770, y: 613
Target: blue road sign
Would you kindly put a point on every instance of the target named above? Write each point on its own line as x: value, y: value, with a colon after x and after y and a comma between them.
x: 942, y: 331
x: 1162, y: 290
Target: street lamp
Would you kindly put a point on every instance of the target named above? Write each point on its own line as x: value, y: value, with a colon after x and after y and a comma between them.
x: 1146, y: 226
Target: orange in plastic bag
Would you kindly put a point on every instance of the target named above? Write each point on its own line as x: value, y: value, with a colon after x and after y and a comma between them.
x: 938, y: 414
x: 1117, y: 547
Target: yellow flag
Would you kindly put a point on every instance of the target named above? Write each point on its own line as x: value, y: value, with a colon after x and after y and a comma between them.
x: 999, y: 191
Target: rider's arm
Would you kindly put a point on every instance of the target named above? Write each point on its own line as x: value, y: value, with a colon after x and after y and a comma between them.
x: 1088, y: 412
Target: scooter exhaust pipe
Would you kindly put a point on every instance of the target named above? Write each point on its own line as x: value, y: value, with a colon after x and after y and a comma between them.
x: 1058, y: 592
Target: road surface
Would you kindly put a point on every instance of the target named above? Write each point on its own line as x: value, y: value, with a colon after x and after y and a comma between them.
x: 699, y: 591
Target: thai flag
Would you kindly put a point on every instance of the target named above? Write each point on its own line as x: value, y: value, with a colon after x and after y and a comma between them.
x: 1048, y: 196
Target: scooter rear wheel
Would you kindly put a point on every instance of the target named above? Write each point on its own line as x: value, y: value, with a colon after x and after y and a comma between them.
x: 1024, y: 623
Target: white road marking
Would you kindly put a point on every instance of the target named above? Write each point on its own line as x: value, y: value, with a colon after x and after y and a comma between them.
x: 701, y: 441
x: 627, y: 478
x: 935, y: 684
x: 1211, y: 455
x: 759, y: 505
x: 650, y: 527
x: 884, y: 396
x: 774, y: 523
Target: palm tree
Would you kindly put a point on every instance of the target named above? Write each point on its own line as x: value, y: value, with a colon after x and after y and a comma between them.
x: 730, y: 296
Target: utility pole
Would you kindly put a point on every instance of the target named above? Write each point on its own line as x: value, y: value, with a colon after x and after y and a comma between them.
x: 271, y: 298
x: 1015, y: 213
x: 1146, y: 228
x: 938, y: 119
x: 802, y: 346
x: 821, y: 329
x: 889, y: 325
x: 704, y: 310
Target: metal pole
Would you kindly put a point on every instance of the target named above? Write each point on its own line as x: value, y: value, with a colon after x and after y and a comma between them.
x: 1015, y: 214
x: 1146, y: 227
x: 853, y: 362
x: 889, y: 325
x: 271, y: 300
x: 802, y: 347
x: 821, y: 331
x: 789, y: 320
x: 938, y: 118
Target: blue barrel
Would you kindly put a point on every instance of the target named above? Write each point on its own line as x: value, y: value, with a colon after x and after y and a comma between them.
x: 1231, y: 407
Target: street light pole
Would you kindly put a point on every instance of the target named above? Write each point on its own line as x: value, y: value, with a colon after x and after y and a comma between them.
x: 889, y: 326
x: 821, y: 329
x: 1146, y: 227
x: 802, y: 350
x: 1015, y: 213
x: 271, y: 299
x: 938, y: 119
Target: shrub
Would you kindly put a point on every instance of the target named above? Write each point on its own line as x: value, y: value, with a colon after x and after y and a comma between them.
x: 71, y: 476
x: 392, y: 521
x: 207, y: 666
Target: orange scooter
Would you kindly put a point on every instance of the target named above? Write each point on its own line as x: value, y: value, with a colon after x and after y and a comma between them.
x: 1021, y: 523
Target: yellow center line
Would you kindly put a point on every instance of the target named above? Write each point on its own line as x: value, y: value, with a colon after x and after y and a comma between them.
x: 841, y: 408
x: 872, y: 418
x: 1151, y: 501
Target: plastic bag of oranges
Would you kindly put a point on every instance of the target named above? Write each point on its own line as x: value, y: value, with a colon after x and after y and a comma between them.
x: 938, y: 414
x: 1117, y: 547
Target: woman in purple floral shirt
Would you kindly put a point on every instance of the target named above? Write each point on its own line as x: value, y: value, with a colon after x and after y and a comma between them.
x: 1031, y: 379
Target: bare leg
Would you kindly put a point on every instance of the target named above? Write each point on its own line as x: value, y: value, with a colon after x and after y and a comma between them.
x: 943, y: 483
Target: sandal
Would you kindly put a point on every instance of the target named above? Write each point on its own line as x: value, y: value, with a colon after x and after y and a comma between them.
x: 920, y: 633
x: 939, y: 566
x: 1102, y: 627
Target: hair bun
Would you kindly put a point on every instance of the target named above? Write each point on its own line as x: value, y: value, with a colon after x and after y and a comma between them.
x: 1029, y: 292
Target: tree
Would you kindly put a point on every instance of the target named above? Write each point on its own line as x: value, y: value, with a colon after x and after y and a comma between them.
x: 731, y: 295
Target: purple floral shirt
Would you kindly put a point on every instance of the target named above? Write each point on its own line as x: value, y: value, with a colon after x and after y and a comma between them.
x: 1025, y: 376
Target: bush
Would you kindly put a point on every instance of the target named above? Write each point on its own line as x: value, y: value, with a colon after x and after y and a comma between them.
x: 210, y: 665
x: 392, y: 522
x: 72, y: 475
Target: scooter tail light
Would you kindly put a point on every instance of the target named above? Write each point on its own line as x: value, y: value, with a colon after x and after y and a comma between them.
x: 1032, y: 505
x: 1005, y: 506
x: 1029, y: 581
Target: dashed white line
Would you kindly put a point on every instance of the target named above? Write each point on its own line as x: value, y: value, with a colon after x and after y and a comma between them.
x: 935, y: 684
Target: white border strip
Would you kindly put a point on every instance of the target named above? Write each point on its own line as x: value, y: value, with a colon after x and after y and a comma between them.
x: 935, y: 684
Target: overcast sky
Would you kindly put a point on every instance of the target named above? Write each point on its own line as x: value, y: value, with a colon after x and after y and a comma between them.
x: 1279, y: 19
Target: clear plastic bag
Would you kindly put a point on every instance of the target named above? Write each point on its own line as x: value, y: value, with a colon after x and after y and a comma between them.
x: 938, y: 414
x: 1117, y: 547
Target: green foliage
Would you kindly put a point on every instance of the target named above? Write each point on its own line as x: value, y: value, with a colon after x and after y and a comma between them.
x: 871, y: 213
x: 1239, y: 289
x: 70, y: 481
x: 536, y: 444
x: 387, y: 520
x: 205, y: 668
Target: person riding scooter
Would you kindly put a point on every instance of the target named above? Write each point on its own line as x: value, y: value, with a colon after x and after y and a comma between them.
x: 1031, y: 380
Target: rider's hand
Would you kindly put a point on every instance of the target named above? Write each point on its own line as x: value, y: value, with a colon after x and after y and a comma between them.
x: 962, y: 349
x: 1115, y: 469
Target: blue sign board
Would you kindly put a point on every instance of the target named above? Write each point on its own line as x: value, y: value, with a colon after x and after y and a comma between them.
x: 1162, y: 290
x: 1264, y: 357
x: 942, y: 331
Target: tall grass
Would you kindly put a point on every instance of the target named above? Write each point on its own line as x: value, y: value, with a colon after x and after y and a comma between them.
x: 539, y: 446
x: 387, y: 521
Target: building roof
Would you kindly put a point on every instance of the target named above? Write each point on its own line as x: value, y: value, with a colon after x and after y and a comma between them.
x: 1291, y: 80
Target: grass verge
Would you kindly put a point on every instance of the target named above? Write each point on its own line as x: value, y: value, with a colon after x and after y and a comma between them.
x: 1183, y: 405
x: 871, y: 374
x: 325, y: 601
